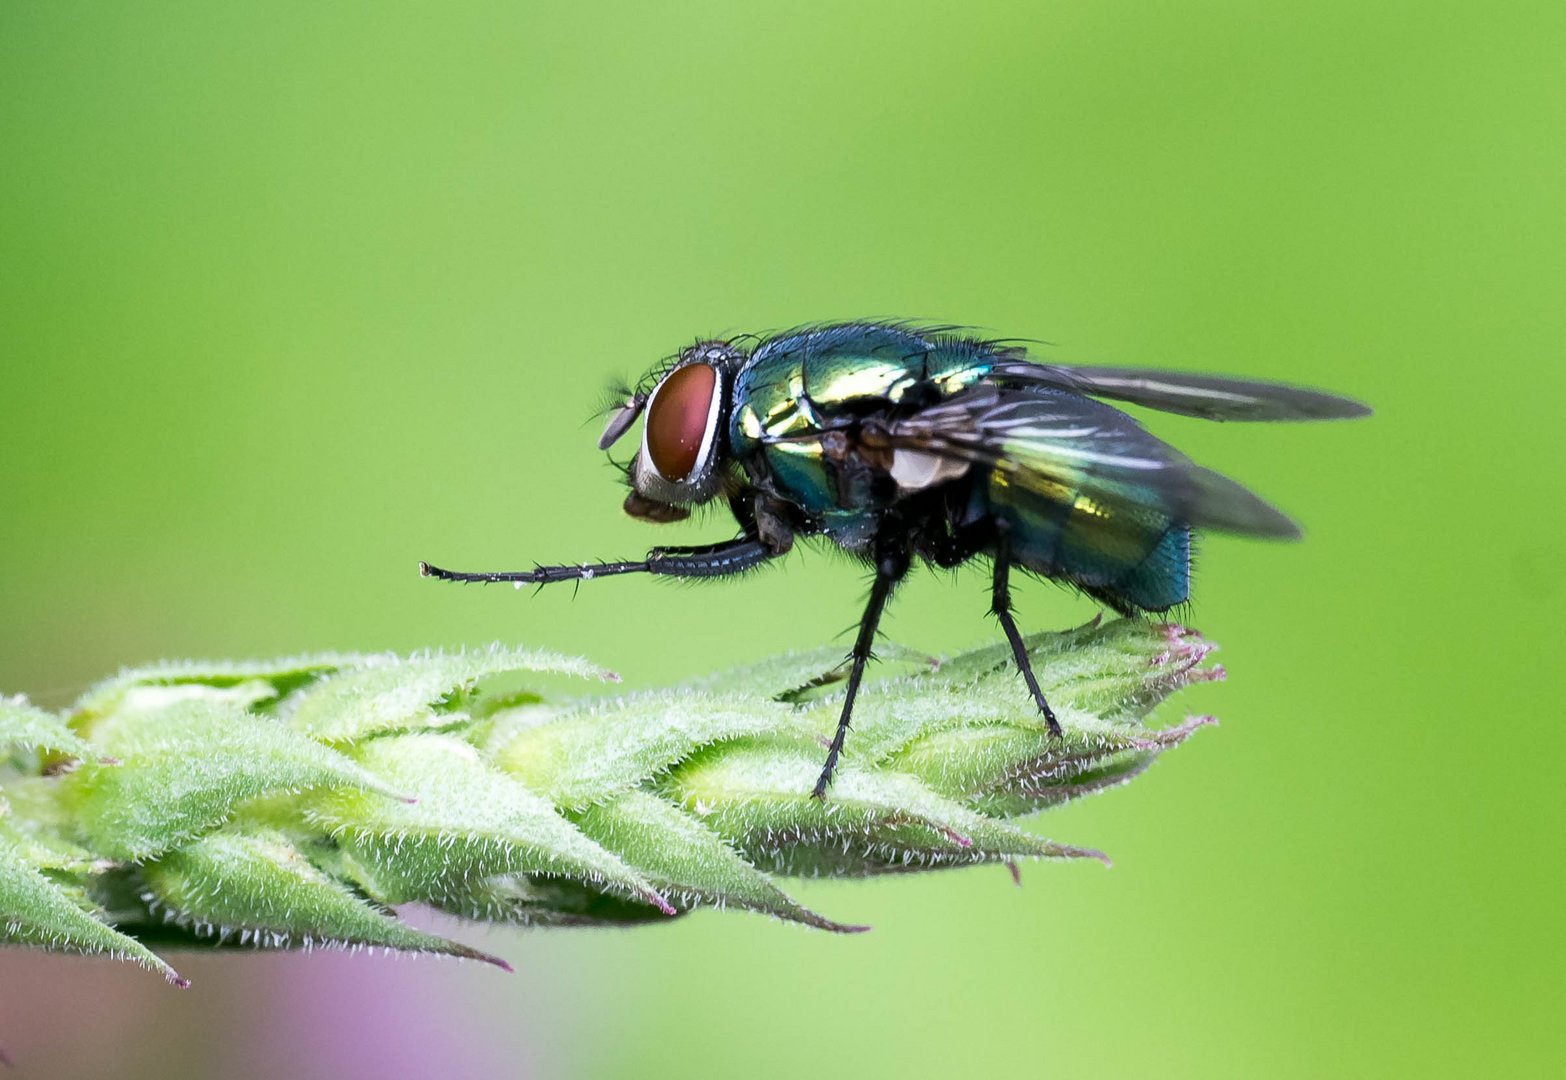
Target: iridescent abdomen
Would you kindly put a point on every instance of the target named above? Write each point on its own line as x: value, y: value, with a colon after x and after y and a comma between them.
x: 1134, y: 558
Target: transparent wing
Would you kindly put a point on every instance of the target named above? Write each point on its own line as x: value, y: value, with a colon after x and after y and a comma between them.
x: 1210, y: 397
x: 1069, y: 449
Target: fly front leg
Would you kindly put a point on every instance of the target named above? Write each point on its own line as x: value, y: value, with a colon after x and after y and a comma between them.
x: 710, y: 560
x: 1000, y: 607
x: 890, y: 565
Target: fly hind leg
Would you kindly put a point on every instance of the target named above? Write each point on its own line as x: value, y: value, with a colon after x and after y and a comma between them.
x: 1000, y: 607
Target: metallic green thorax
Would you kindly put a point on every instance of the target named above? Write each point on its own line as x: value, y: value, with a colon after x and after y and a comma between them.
x: 795, y: 388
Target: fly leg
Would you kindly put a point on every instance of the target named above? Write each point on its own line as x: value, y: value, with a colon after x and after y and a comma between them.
x: 711, y: 560
x: 890, y: 565
x: 1000, y: 607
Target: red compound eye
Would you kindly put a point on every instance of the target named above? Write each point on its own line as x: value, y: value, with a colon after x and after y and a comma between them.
x: 677, y: 419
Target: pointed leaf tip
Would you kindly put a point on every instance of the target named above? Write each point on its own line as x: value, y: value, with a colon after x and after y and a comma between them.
x: 1174, y: 736
x: 467, y: 952
x: 43, y: 913
x: 270, y: 892
x: 24, y: 724
x: 471, y: 822
x: 1069, y: 852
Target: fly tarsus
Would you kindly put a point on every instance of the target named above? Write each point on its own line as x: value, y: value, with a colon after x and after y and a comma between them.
x: 539, y: 575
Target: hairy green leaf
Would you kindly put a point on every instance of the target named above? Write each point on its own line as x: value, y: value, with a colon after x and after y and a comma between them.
x: 389, y: 694
x: 29, y: 727
x: 468, y: 821
x: 796, y: 677
x: 37, y: 911
x: 579, y: 759
x: 689, y: 862
x: 261, y: 890
x: 185, y: 767
x: 758, y: 796
x: 247, y: 681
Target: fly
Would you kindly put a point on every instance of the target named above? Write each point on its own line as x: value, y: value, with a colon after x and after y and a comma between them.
x: 898, y: 443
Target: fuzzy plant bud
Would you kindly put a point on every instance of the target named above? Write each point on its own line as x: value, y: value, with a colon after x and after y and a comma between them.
x: 298, y: 803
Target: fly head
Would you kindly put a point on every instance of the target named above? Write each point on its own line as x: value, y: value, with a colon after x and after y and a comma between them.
x: 684, y: 452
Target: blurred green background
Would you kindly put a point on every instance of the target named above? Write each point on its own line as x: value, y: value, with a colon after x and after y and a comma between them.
x: 293, y: 295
